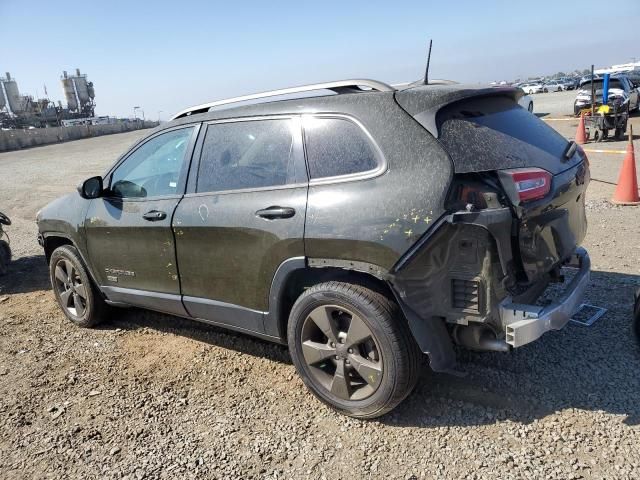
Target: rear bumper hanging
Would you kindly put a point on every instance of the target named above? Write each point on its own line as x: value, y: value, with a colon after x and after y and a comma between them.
x: 526, y: 323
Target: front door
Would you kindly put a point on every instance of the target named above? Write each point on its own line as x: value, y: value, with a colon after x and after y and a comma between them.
x: 243, y: 215
x: 128, y: 230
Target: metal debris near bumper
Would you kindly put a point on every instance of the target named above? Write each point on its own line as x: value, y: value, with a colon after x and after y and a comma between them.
x: 587, y: 315
x: 526, y: 323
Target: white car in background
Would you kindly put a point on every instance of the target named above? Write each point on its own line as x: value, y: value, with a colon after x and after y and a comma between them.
x: 531, y: 88
x: 526, y: 102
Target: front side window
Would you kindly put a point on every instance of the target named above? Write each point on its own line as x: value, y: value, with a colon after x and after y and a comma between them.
x: 337, y: 146
x: 248, y: 154
x: 154, y: 168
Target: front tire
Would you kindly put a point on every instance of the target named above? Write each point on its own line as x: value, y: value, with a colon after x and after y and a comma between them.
x: 76, y: 294
x: 353, y: 349
x: 5, y: 257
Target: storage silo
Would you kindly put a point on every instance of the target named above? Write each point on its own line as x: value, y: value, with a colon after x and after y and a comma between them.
x: 69, y: 92
x: 13, y: 95
x: 3, y: 100
x: 81, y: 87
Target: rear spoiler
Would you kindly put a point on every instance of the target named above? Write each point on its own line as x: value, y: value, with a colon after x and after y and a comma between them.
x: 424, y: 102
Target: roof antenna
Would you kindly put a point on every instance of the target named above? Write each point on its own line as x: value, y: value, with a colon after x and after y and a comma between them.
x: 426, y: 72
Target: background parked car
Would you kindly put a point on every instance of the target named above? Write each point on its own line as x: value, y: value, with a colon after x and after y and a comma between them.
x: 530, y: 88
x: 586, y: 78
x: 619, y: 87
x: 526, y: 102
x: 568, y: 83
x: 552, y: 86
x: 634, y: 78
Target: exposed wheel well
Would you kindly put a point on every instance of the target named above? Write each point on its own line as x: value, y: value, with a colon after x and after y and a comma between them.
x: 299, y: 280
x: 51, y: 243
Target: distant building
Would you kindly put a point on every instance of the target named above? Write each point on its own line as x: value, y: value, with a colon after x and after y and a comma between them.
x: 623, y: 67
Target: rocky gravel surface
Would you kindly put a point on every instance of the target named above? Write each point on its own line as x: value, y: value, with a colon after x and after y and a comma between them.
x: 153, y: 396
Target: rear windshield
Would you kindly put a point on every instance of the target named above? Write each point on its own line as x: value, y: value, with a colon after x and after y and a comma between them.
x: 613, y: 83
x: 494, y: 133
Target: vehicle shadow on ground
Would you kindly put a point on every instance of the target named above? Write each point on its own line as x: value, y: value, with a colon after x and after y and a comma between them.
x: 569, y: 369
x: 24, y: 275
x: 136, y: 319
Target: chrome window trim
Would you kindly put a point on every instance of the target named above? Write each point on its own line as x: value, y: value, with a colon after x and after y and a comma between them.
x: 350, y: 177
x: 279, y: 116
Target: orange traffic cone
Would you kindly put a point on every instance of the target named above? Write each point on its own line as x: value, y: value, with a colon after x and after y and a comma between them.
x: 581, y: 135
x: 627, y: 190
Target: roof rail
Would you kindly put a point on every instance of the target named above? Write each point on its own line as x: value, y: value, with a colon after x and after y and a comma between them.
x: 418, y: 83
x: 341, y: 86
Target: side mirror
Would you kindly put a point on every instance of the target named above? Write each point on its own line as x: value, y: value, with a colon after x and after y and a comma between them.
x: 91, y: 188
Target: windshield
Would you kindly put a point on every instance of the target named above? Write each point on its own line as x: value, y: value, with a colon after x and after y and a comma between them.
x: 613, y: 83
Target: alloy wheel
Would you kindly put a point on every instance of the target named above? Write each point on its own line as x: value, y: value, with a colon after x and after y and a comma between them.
x: 72, y: 292
x: 341, y: 352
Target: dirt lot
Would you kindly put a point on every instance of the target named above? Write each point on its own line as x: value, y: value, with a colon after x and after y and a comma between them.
x: 151, y: 396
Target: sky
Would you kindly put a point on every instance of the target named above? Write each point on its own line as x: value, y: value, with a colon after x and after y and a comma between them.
x: 167, y: 55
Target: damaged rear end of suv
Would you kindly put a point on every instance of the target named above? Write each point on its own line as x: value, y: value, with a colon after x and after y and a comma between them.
x: 514, y: 218
x: 363, y: 227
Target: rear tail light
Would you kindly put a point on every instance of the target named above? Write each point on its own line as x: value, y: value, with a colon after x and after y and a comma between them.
x: 527, y: 183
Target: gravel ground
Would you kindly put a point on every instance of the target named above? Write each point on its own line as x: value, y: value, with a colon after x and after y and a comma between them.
x: 152, y: 396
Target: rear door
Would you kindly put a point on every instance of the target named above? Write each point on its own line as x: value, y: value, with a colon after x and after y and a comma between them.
x: 243, y: 215
x: 128, y: 230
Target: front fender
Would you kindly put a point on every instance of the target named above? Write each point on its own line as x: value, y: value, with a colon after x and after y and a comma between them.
x: 64, y: 218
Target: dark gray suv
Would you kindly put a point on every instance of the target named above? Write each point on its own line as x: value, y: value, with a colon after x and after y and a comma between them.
x: 362, y: 226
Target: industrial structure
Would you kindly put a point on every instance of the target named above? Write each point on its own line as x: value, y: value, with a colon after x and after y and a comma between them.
x: 23, y: 111
x: 79, y: 93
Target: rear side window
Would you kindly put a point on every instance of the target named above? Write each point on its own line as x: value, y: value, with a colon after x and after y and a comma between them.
x: 248, y: 154
x: 336, y: 146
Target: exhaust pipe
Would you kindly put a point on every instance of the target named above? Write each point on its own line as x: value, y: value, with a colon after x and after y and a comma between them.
x: 479, y: 337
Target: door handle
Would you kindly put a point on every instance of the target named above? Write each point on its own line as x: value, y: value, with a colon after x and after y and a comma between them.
x: 154, y: 215
x: 272, y: 213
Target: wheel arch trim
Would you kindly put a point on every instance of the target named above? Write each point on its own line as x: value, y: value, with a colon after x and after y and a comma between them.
x: 67, y: 238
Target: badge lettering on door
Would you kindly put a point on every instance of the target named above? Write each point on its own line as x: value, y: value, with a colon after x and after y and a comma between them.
x: 114, y: 273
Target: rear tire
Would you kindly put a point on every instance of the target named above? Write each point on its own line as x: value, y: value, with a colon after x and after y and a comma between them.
x: 5, y: 257
x: 80, y: 300
x: 352, y: 348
